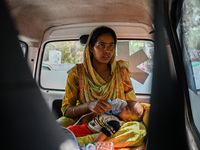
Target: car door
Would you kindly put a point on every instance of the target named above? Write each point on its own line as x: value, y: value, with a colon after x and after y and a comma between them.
x: 175, y: 93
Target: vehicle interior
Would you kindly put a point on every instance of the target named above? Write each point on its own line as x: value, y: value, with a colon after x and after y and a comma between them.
x: 43, y: 39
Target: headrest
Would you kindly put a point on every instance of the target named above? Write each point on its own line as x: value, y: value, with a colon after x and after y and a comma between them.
x: 83, y: 39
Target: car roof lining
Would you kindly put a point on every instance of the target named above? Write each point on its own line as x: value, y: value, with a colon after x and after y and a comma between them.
x: 32, y: 18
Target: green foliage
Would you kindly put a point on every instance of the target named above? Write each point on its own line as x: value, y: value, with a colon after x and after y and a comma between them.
x: 135, y: 45
x: 191, y: 23
x: 71, y: 51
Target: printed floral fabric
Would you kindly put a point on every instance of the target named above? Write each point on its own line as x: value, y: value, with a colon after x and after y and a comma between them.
x: 129, y: 135
x: 80, y: 89
x: 84, y: 84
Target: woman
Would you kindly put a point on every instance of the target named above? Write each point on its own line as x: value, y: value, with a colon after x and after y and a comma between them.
x: 98, y: 79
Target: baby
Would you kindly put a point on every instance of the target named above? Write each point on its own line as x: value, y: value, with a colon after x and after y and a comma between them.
x: 109, y: 123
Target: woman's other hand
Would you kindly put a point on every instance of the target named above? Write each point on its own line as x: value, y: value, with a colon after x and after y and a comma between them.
x: 99, y: 106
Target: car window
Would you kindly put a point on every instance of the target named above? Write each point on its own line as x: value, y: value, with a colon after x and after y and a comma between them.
x: 188, y: 30
x: 61, y: 56
x: 190, y: 24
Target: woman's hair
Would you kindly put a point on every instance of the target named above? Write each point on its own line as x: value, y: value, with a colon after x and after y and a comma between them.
x: 98, y: 32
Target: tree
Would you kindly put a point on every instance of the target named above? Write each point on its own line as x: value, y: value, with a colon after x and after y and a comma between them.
x: 70, y: 51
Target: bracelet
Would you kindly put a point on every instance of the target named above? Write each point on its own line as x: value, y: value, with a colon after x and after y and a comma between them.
x: 74, y: 112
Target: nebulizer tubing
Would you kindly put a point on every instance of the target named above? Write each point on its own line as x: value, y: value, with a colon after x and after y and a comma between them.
x: 82, y: 117
x: 112, y: 113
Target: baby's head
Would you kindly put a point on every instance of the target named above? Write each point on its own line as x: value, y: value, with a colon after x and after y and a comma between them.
x: 133, y: 111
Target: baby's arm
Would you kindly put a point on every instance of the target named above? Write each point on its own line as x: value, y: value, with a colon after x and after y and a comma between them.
x: 100, y: 137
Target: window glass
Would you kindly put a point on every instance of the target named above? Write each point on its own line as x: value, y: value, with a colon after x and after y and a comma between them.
x: 191, y: 37
x: 61, y: 56
x: 189, y: 29
x: 58, y: 58
x: 139, y: 55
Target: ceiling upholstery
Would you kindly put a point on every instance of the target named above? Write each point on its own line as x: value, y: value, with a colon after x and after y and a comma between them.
x: 33, y: 17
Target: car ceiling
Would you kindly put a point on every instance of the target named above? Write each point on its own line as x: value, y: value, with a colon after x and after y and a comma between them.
x: 33, y: 17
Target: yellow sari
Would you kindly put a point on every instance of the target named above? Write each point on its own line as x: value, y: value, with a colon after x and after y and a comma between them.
x: 84, y: 85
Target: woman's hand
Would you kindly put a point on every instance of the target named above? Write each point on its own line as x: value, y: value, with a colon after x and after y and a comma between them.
x: 99, y: 106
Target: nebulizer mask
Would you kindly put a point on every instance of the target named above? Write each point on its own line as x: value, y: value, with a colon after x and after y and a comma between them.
x: 117, y: 104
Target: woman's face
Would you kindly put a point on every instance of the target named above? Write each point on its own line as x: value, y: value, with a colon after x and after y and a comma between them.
x: 103, y: 49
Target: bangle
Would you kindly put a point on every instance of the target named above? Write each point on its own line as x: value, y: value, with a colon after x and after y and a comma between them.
x: 74, y: 112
